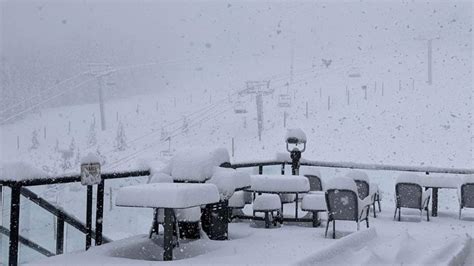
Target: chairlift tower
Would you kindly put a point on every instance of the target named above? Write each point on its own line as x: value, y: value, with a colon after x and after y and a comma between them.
x: 99, y: 71
x: 260, y: 89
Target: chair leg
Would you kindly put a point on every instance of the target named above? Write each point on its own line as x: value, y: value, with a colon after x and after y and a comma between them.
x: 334, y: 229
x: 375, y: 215
x: 427, y: 214
x: 399, y: 214
x: 267, y: 220
x: 367, y: 222
x: 327, y: 227
x: 395, y: 214
x: 460, y: 209
x: 358, y: 227
x: 378, y: 201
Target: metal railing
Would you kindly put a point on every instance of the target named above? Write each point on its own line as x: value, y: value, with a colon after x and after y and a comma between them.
x: 19, y: 188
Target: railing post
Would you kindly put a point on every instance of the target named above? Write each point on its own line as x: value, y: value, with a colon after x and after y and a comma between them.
x: 89, y: 217
x: 282, y: 168
x: 260, y: 169
x: 59, y: 235
x: 99, y: 213
x: 14, y: 225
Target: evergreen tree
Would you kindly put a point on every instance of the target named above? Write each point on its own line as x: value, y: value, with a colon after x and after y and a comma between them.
x: 120, y: 139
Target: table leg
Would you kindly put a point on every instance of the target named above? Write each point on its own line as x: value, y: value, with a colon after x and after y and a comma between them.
x: 434, y: 202
x: 296, y: 207
x: 168, y: 235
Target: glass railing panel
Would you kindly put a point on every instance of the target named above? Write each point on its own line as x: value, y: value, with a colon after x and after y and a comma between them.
x: 27, y: 254
x: 74, y: 240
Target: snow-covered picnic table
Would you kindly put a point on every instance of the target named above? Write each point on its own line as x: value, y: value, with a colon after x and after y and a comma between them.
x: 436, y: 183
x: 168, y: 196
x: 279, y: 184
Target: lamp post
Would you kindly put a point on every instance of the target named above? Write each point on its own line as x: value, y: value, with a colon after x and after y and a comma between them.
x: 295, y: 137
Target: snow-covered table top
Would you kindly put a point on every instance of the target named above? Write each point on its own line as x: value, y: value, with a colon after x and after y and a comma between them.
x: 278, y: 183
x: 440, y: 181
x: 167, y: 195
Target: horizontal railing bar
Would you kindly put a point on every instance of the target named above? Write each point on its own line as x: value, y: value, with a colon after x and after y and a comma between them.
x: 28, y: 243
x: 72, y: 178
x: 58, y: 212
x: 422, y: 169
x: 255, y: 164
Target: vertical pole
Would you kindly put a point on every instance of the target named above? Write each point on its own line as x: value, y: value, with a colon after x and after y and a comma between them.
x: 168, y: 235
x: 59, y: 235
x: 259, y: 100
x: 283, y: 169
x: 14, y: 225
x: 434, y: 202
x: 365, y: 92
x: 296, y: 206
x: 260, y: 169
x: 111, y: 204
x: 430, y: 53
x: 232, y: 147
x: 413, y: 84
x: 101, y: 103
x: 99, y: 215
x: 348, y: 97
x: 89, y: 217
x: 329, y: 102
x: 375, y: 86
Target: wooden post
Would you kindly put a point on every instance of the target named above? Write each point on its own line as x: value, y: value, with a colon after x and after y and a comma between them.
x: 89, y: 217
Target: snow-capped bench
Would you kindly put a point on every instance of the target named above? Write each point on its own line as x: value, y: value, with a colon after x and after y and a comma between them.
x: 268, y: 204
x: 281, y: 185
x: 314, y: 202
x: 168, y: 196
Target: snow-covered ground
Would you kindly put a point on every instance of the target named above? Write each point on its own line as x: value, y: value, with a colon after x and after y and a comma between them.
x: 444, y: 240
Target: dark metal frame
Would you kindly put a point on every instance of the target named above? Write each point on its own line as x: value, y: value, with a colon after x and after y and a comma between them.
x: 422, y: 204
x: 18, y: 188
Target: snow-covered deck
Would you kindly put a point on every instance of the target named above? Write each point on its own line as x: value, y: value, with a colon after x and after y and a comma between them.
x: 444, y: 240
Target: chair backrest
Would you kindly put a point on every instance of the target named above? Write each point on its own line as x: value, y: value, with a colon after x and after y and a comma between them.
x: 409, y: 195
x: 467, y: 195
x: 342, y: 204
x: 314, y: 183
x: 362, y: 188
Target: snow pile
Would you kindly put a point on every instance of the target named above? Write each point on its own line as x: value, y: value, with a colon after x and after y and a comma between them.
x: 358, y: 175
x: 341, y: 183
x: 409, y: 178
x: 18, y: 171
x: 228, y: 180
x: 90, y: 158
x: 267, y: 202
x: 237, y: 200
x: 310, y: 170
x: 160, y: 178
x: 295, y: 136
x: 279, y: 183
x: 196, y: 165
x: 167, y: 195
x: 342, y: 246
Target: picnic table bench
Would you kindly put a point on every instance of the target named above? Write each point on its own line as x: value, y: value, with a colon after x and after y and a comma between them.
x: 168, y: 196
x: 279, y: 184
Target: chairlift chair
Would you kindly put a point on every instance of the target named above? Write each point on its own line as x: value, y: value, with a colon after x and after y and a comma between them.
x: 239, y: 108
x: 284, y: 100
x: 354, y: 73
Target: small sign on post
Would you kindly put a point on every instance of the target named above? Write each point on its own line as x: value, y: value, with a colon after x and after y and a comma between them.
x: 90, y: 170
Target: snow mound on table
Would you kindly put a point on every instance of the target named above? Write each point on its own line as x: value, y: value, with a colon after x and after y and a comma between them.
x: 228, y: 180
x: 279, y: 183
x: 196, y: 165
x: 295, y: 134
x: 167, y: 195
x: 18, y: 171
x: 90, y: 158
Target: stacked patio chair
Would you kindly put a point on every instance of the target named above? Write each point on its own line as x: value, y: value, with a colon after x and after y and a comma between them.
x: 466, y: 194
x: 343, y: 203
x: 365, y: 188
x: 314, y: 178
x: 410, y: 194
